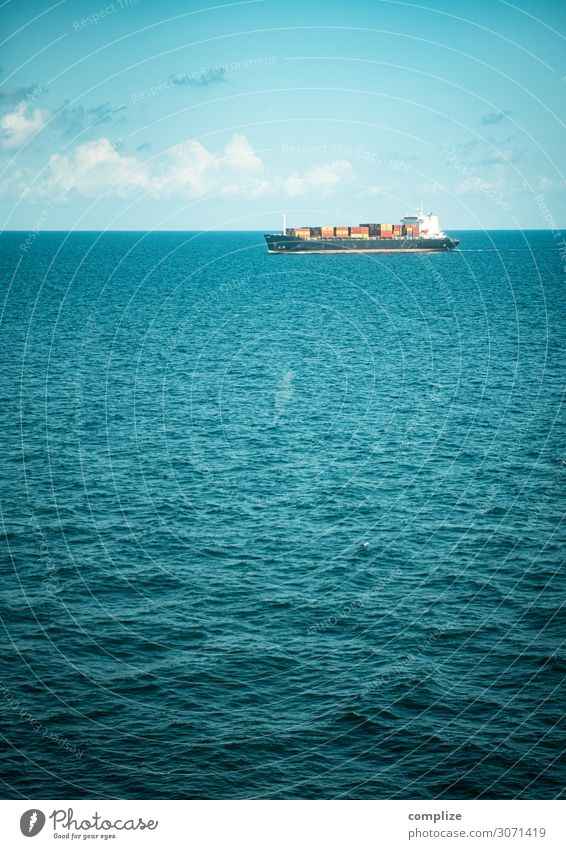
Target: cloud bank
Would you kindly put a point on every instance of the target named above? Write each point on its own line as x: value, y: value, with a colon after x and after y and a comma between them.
x: 186, y: 171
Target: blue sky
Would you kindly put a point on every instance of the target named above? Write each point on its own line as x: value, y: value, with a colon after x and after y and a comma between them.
x: 189, y: 115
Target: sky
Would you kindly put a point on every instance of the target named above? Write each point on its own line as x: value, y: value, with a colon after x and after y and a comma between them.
x: 170, y: 115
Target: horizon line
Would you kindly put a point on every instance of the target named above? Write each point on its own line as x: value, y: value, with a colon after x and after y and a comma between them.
x: 263, y: 230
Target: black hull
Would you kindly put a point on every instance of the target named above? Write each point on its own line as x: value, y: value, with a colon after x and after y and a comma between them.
x: 278, y: 244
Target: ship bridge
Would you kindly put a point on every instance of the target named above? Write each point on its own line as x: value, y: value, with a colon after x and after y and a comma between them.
x: 428, y: 225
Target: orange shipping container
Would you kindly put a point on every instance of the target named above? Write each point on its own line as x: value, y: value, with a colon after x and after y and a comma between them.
x: 327, y: 232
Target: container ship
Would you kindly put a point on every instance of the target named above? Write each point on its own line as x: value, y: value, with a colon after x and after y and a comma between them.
x: 416, y: 233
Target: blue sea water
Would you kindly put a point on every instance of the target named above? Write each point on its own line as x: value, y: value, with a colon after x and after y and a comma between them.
x: 281, y: 526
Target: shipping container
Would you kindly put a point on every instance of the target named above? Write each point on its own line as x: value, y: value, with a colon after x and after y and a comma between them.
x: 327, y: 232
x: 303, y: 232
x: 342, y: 232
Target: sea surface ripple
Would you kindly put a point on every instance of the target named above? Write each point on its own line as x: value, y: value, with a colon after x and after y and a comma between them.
x: 281, y: 526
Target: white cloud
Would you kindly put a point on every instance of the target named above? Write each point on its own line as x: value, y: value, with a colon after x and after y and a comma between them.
x: 240, y: 154
x: 475, y: 185
x: 190, y: 170
x: 507, y: 155
x: 13, y: 182
x: 90, y: 169
x: 187, y: 170
x: 429, y: 187
x: 546, y: 184
x: 328, y: 175
x: 20, y: 125
x: 293, y: 186
x: 322, y: 179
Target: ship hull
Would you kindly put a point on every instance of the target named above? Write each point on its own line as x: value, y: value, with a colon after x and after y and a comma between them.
x: 279, y: 244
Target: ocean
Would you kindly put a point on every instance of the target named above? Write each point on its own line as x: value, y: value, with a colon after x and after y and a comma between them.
x: 286, y: 527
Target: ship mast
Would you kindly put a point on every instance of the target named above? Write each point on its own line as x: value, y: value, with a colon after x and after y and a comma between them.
x: 284, y: 224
